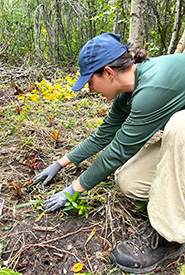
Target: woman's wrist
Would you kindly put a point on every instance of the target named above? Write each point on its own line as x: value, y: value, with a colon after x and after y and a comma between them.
x: 77, y: 186
x: 64, y: 161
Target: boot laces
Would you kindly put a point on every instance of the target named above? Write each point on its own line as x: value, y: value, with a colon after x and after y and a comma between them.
x: 147, y: 237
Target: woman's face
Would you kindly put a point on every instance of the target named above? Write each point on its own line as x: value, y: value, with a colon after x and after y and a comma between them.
x: 113, y: 82
x: 103, y: 84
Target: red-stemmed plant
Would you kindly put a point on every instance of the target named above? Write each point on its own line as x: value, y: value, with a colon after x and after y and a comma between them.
x: 17, y: 188
x: 18, y: 110
x: 55, y: 136
x: 31, y: 163
x: 51, y: 120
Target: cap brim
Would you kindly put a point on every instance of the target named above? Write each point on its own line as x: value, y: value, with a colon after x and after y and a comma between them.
x: 82, y: 80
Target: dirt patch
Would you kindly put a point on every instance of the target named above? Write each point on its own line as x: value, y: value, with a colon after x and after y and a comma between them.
x: 54, y: 245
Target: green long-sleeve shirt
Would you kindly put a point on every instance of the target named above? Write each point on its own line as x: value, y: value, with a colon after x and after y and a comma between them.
x: 134, y: 117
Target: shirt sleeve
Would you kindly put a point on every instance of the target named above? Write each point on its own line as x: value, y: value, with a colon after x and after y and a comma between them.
x: 105, y: 133
x: 151, y: 109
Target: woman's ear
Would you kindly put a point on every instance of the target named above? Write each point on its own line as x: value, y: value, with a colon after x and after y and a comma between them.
x: 110, y: 73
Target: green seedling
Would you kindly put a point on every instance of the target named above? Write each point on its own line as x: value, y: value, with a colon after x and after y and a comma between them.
x: 16, y: 187
x: 31, y: 164
x: 142, y: 206
x: 10, y: 132
x: 24, y: 141
x: 68, y: 124
x: 55, y: 136
x: 75, y: 205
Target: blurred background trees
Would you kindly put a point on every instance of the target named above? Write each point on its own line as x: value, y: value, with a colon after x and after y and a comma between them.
x: 54, y: 31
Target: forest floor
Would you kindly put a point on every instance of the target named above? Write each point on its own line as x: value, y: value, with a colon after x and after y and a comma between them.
x: 36, y: 243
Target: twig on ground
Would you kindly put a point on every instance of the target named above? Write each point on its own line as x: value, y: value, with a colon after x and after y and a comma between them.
x: 170, y: 264
x: 16, y: 262
x: 45, y: 244
x: 110, y: 218
x: 21, y: 236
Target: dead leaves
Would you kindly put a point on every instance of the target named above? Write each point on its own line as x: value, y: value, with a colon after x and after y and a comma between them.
x: 19, y: 91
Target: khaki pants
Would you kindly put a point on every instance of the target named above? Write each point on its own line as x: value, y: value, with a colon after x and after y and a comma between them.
x: 157, y: 174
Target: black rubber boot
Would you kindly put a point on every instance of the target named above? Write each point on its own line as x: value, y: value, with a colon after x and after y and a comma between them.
x: 144, y: 251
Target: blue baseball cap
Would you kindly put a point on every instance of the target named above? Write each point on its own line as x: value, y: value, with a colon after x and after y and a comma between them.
x: 98, y: 52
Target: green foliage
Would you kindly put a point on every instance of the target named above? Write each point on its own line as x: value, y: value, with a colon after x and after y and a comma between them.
x: 7, y: 271
x: 75, y: 205
x: 24, y: 141
x: 55, y: 33
x: 142, y: 206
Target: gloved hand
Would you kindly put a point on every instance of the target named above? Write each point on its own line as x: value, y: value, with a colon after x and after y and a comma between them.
x: 59, y: 199
x: 48, y: 174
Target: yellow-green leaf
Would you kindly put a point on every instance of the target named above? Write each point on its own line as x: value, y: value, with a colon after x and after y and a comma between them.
x: 182, y: 269
x: 42, y: 214
x: 91, y: 235
x: 77, y: 267
x: 7, y: 271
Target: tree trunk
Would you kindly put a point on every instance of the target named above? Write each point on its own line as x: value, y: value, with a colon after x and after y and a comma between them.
x: 137, y: 35
x: 37, y: 29
x: 49, y: 22
x: 181, y: 45
x: 175, y: 33
x: 115, y: 28
x: 4, y: 21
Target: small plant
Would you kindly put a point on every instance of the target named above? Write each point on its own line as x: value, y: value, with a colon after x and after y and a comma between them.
x: 70, y: 123
x: 18, y: 110
x: 55, y: 136
x: 10, y: 132
x: 51, y: 120
x: 24, y: 141
x: 141, y: 206
x: 102, y: 112
x: 17, y: 188
x: 31, y: 163
x: 74, y: 205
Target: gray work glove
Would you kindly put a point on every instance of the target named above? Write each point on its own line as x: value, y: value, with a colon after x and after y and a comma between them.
x: 48, y: 174
x: 59, y: 199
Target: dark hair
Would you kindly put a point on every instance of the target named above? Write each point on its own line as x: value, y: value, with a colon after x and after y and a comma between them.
x: 126, y: 60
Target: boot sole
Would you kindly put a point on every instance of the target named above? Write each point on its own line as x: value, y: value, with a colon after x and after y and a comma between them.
x: 151, y: 267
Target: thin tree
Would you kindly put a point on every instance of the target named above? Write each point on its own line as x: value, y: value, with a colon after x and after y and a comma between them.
x: 181, y: 46
x: 176, y: 28
x: 137, y: 35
